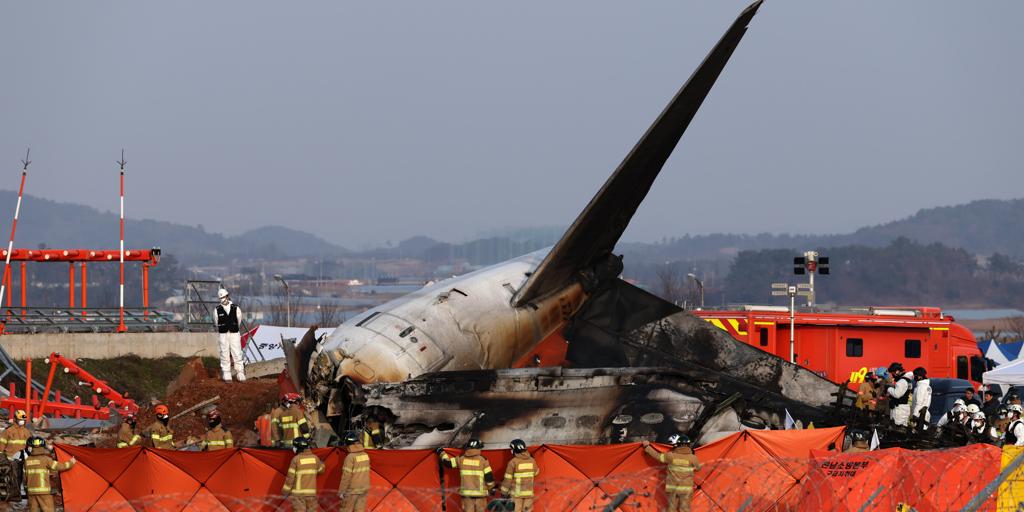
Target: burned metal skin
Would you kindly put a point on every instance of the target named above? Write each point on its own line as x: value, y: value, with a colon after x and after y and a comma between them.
x: 490, y: 318
x: 463, y: 323
x: 539, y: 405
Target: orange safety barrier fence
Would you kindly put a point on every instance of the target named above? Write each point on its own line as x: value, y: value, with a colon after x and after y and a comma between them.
x: 751, y: 470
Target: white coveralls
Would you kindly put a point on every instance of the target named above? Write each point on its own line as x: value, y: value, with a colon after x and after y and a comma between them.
x: 1017, y: 427
x: 922, y: 398
x: 230, y: 344
x: 900, y: 413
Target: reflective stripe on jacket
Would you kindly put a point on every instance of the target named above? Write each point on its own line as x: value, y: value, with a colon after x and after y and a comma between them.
x: 681, y: 465
x: 290, y: 423
x: 217, y: 439
x: 37, y: 472
x: 519, y: 475
x: 301, y: 477
x: 355, y: 471
x: 160, y: 435
x: 13, y: 439
x: 475, y: 475
x: 127, y: 436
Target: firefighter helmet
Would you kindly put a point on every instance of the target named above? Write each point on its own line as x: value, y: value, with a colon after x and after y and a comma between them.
x: 20, y: 415
x: 350, y: 438
x: 517, y: 446
x: 859, y: 435
x: 896, y: 367
x: 300, y: 443
x: 474, y: 444
x: 973, y: 408
x: 36, y: 442
x: 129, y: 418
x: 920, y: 372
x: 677, y: 440
x: 213, y: 415
x: 291, y: 398
x: 978, y: 416
x: 161, y: 410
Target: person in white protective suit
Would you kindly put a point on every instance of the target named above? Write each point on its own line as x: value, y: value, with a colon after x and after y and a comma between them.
x: 228, y: 319
x: 922, y: 399
x: 900, y: 394
x: 1015, y: 431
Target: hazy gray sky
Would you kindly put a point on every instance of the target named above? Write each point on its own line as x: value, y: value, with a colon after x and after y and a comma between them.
x: 372, y: 121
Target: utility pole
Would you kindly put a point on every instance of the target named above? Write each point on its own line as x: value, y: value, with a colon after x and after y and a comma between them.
x: 287, y: 299
x: 790, y: 290
x: 700, y: 286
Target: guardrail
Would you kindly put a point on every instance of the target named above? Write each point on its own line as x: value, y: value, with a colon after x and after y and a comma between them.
x: 31, y: 320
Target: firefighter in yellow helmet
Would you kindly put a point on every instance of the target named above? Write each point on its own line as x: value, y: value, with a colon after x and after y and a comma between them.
x: 159, y: 433
x: 300, y: 482
x: 216, y: 436
x: 15, y: 436
x: 38, y: 468
x: 519, y: 477
x: 682, y: 463
x: 128, y: 435
x: 355, y: 475
x: 475, y: 477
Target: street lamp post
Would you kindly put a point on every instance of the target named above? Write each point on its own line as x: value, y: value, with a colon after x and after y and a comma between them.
x: 287, y: 299
x: 784, y: 289
x: 700, y: 286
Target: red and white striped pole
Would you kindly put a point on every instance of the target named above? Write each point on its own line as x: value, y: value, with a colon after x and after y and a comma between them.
x: 14, y: 227
x: 121, y: 327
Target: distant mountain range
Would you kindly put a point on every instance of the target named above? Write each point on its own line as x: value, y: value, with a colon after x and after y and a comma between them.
x: 76, y: 226
x: 982, y: 227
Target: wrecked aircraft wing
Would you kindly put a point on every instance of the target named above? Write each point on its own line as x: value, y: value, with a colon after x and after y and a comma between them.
x: 546, y: 405
x: 624, y: 325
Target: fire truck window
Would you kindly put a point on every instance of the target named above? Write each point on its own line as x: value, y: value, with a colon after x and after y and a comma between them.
x: 854, y: 347
x: 764, y: 337
x: 961, y: 367
x: 977, y: 368
x: 912, y: 348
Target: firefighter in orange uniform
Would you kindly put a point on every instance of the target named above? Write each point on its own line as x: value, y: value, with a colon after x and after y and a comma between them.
x: 475, y: 477
x: 519, y: 477
x: 128, y: 436
x: 300, y: 482
x: 216, y: 437
x: 38, y: 467
x: 682, y: 463
x: 355, y: 476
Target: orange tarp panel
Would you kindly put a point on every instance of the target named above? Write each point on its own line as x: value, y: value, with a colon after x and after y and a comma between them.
x: 758, y: 471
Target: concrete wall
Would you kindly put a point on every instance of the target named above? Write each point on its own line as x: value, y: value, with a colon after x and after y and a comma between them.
x: 109, y: 346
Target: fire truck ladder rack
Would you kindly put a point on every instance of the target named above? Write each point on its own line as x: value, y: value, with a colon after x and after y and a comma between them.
x: 34, y: 404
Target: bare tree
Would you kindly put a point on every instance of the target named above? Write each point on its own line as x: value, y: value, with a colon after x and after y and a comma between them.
x: 328, y: 313
x: 1014, y: 328
x: 671, y: 284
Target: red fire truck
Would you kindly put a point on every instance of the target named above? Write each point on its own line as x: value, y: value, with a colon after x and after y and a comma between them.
x: 845, y: 343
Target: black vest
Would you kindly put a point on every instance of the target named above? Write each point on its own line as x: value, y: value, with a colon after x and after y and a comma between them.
x: 227, y: 321
x: 1011, y: 438
x: 905, y: 399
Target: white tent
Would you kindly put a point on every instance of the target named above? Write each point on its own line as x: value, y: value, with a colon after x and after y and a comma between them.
x: 994, y: 353
x: 1008, y: 374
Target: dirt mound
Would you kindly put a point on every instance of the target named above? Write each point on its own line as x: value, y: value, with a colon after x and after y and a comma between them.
x: 240, y: 404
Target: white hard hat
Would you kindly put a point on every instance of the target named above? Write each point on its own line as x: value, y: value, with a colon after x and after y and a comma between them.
x: 973, y: 408
x: 221, y: 293
x: 959, y: 401
x: 959, y: 408
x: 1016, y: 408
x: 978, y: 415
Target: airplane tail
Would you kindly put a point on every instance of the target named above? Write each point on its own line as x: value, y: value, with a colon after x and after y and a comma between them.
x: 592, y: 237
